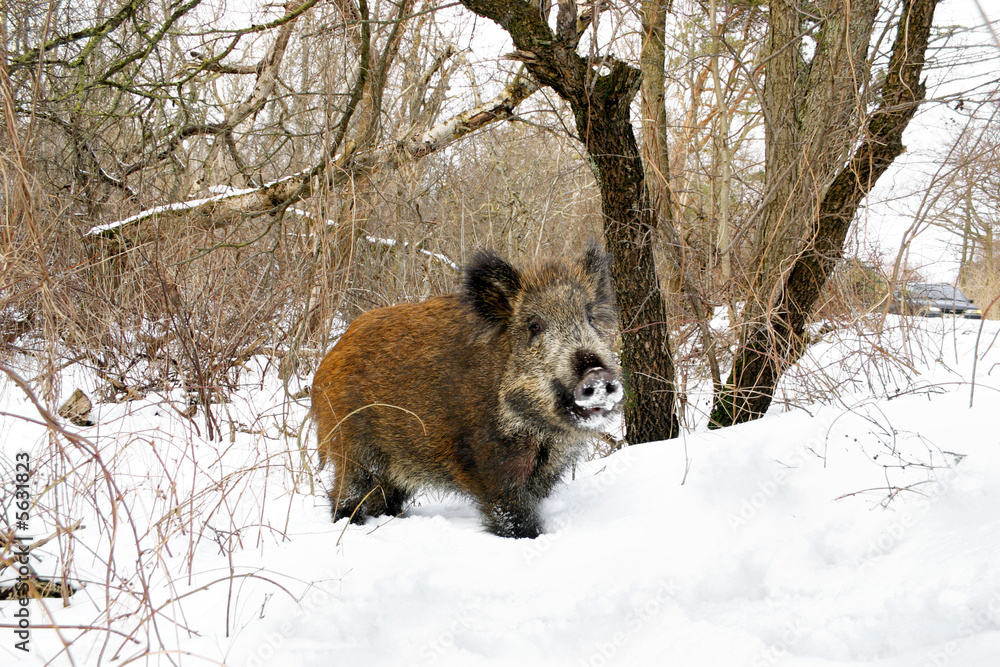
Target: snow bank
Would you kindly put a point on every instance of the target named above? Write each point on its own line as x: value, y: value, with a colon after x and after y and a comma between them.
x: 863, y: 532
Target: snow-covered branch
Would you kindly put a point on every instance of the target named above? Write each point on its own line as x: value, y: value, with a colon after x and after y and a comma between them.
x: 288, y: 190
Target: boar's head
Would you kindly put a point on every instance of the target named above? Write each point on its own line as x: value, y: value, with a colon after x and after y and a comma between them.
x: 556, y: 324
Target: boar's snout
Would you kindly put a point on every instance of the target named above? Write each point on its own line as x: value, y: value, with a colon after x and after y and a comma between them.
x: 597, y: 395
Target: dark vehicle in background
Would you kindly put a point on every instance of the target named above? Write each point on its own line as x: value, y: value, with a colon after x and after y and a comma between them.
x: 933, y: 300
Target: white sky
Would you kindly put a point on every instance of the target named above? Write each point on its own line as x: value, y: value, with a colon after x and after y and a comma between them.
x: 931, y: 131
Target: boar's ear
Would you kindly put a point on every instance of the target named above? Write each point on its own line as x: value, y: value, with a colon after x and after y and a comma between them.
x: 490, y: 286
x: 597, y: 265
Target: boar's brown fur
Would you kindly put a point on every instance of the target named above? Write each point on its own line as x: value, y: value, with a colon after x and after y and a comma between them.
x: 491, y: 392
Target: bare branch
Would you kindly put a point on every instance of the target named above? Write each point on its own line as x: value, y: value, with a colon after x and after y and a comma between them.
x: 287, y: 191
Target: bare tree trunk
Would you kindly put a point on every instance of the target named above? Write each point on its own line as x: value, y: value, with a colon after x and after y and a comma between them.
x: 724, y: 158
x: 968, y: 243
x: 770, y: 346
x: 629, y: 229
x: 656, y: 154
x: 654, y: 110
x: 783, y: 141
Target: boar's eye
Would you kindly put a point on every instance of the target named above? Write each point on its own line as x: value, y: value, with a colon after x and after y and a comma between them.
x: 535, y: 327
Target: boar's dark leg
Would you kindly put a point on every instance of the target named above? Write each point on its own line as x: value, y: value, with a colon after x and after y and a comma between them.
x: 513, y: 516
x: 350, y: 508
x: 395, y: 498
x: 361, y: 492
x: 351, y: 495
x: 378, y: 500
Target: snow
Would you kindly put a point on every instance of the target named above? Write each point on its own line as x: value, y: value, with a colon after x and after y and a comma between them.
x: 385, y: 242
x: 219, y: 193
x: 97, y: 230
x: 224, y: 192
x: 598, y: 398
x: 858, y: 530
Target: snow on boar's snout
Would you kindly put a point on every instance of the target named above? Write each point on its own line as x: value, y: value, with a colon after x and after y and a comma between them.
x: 596, y: 396
x: 492, y: 392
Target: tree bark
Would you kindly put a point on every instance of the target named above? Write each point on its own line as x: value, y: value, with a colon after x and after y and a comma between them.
x: 601, y: 104
x: 629, y: 230
x: 770, y: 347
x: 654, y: 110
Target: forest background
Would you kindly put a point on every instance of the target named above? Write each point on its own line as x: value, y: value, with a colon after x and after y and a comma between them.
x: 187, y: 184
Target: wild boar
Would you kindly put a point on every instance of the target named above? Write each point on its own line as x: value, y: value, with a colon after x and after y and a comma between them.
x: 492, y: 392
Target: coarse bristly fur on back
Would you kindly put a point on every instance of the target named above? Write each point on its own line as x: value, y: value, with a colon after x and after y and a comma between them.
x: 492, y: 392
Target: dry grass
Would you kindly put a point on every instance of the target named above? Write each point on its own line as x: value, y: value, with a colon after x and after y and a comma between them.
x: 981, y: 283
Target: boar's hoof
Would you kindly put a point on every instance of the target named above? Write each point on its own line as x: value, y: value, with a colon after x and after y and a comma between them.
x: 383, y: 500
x: 505, y: 522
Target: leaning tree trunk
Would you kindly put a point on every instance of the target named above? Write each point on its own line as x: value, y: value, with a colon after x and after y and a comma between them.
x: 771, y: 346
x: 629, y: 222
x: 600, y: 104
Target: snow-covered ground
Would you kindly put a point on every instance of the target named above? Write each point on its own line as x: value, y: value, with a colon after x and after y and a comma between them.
x: 861, y: 530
